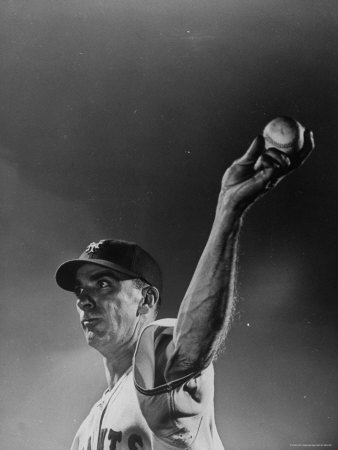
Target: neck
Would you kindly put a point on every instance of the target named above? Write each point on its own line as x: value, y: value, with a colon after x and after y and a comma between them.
x: 115, y: 367
x: 118, y: 359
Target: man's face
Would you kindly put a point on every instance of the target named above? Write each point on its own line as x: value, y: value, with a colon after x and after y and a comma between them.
x: 108, y: 307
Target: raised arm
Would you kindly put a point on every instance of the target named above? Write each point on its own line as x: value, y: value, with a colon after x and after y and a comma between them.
x: 206, y: 310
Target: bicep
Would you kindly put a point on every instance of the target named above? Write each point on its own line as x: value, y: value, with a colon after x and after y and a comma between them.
x: 195, y: 339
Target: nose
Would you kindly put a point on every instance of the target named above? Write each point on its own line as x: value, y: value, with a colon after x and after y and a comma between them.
x: 84, y: 300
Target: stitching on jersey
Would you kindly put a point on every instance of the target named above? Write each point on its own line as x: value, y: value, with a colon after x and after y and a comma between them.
x: 164, y: 443
x: 173, y: 416
x: 164, y: 387
x: 168, y: 387
x: 198, y: 429
x: 114, y: 393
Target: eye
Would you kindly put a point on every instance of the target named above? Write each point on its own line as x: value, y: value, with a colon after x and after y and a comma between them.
x: 103, y: 284
x: 78, y: 291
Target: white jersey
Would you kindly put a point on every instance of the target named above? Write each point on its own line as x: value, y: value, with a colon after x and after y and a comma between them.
x: 138, y: 415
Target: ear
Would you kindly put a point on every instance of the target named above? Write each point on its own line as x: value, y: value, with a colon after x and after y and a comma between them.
x: 150, y: 296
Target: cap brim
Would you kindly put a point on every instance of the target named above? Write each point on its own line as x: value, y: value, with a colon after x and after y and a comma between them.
x: 65, y: 274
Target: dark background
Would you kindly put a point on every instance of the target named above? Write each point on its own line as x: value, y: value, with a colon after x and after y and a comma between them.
x: 117, y: 119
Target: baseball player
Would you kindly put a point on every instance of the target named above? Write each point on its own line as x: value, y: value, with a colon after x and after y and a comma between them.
x: 159, y: 372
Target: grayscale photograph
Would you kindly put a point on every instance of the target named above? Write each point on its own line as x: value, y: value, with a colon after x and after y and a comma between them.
x: 168, y: 173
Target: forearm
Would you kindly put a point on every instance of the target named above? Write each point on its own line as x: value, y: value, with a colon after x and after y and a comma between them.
x: 206, y: 309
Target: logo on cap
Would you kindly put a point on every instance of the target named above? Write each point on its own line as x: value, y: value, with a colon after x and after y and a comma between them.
x: 94, y: 247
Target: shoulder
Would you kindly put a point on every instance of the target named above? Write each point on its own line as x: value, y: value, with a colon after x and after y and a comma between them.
x: 173, y: 409
x: 152, y: 352
x: 154, y: 349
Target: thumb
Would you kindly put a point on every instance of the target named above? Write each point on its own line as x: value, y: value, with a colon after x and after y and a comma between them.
x: 254, y: 151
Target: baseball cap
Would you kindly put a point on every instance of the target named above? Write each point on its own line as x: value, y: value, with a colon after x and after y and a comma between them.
x: 121, y: 256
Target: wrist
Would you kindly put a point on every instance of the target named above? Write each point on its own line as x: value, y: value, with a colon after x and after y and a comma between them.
x: 229, y: 208
x: 227, y: 221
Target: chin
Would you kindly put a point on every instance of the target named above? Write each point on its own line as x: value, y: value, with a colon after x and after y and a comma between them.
x: 96, y: 341
x: 92, y: 339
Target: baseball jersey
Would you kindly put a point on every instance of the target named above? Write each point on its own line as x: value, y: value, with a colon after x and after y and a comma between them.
x: 138, y: 414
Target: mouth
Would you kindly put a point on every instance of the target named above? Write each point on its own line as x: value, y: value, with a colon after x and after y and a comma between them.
x: 90, y: 321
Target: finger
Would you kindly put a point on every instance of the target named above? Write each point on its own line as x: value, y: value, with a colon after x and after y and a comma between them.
x: 263, y: 182
x: 308, y: 147
x: 272, y: 183
x: 276, y: 158
x: 254, y: 151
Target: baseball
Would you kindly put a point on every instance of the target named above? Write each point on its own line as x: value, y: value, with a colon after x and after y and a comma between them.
x: 285, y: 134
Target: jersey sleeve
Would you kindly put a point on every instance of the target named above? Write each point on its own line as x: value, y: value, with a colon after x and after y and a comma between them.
x: 175, y: 409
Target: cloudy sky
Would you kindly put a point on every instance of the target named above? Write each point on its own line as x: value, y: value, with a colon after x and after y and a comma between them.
x: 117, y: 119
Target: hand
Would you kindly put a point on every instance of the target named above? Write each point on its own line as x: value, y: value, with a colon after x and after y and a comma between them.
x: 259, y: 170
